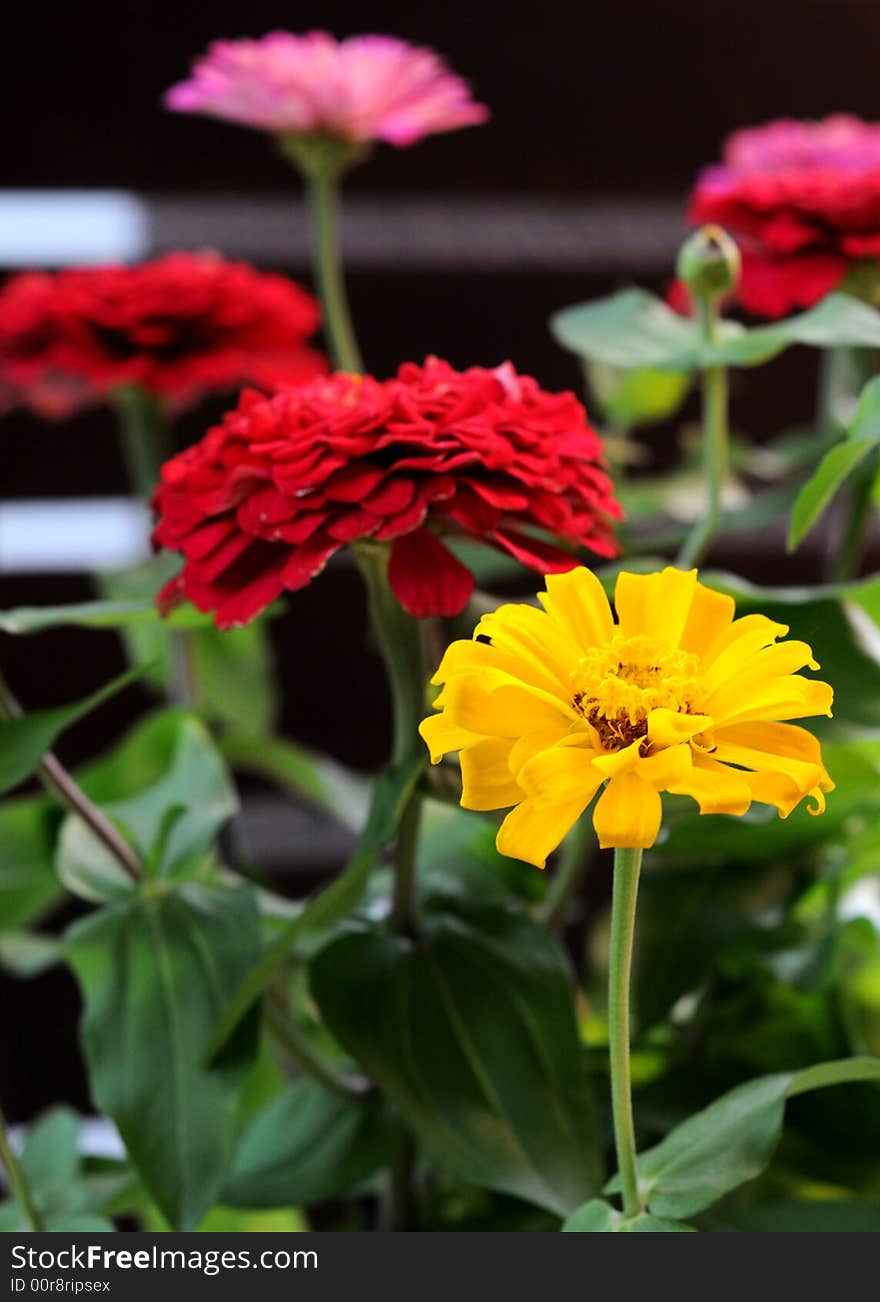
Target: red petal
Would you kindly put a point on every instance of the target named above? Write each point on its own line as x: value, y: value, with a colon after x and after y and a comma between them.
x: 537, y: 555
x: 426, y: 578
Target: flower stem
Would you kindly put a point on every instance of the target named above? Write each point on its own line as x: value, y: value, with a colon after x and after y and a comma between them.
x: 627, y: 864
x: 568, y: 874
x: 17, y: 1182
x: 400, y: 642
x: 715, y: 449
x: 323, y: 186
x: 145, y: 437
x: 59, y: 783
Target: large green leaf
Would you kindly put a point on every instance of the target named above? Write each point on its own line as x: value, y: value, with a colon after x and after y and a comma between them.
x: 629, y: 398
x: 636, y: 329
x: 155, y: 973
x: 599, y: 1217
x: 195, y: 788
x: 25, y: 740
x: 234, y: 676
x: 471, y: 1033
x: 307, y: 1145
x: 95, y: 614
x: 28, y: 885
x: 733, y: 1139
x: 332, y: 903
x: 863, y: 438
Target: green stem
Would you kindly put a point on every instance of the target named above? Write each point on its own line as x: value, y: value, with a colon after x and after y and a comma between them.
x: 145, y: 437
x: 297, y: 1047
x: 627, y: 864
x: 567, y: 878
x: 715, y: 448
x: 399, y: 1209
x: 323, y: 185
x: 17, y: 1181
x: 60, y: 784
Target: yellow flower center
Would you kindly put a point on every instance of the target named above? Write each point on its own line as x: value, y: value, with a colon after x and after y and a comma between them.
x: 615, y: 687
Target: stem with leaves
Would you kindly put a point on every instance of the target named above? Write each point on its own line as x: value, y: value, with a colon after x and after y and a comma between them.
x: 17, y: 1181
x: 627, y: 865
x: 60, y: 784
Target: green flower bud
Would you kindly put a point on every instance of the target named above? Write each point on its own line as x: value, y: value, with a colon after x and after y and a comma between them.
x: 709, y: 263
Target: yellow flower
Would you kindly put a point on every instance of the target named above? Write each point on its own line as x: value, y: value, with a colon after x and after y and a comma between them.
x: 547, y: 706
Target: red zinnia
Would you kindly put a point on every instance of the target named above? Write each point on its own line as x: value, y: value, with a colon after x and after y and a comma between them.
x: 179, y: 326
x: 802, y: 200
x: 265, y: 499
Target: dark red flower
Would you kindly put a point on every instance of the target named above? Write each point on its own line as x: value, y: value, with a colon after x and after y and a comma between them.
x: 802, y: 199
x: 180, y: 326
x: 265, y: 499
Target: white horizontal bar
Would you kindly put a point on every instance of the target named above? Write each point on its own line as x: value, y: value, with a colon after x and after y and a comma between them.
x: 52, y: 228
x: 72, y: 535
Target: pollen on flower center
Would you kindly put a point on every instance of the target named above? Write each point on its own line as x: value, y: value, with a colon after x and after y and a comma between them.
x: 616, y: 686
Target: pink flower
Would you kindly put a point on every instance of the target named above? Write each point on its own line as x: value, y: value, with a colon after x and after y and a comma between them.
x: 361, y: 89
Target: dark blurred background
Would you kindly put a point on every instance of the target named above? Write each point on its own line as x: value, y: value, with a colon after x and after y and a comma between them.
x: 461, y: 245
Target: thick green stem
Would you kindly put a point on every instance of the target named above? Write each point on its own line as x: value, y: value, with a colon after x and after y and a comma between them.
x: 59, y: 783
x: 323, y: 185
x: 627, y: 864
x: 144, y: 432
x: 569, y: 872
x: 17, y: 1181
x: 715, y: 449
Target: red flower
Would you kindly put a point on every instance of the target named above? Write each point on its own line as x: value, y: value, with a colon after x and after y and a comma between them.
x: 181, y: 326
x: 803, y: 201
x: 265, y: 499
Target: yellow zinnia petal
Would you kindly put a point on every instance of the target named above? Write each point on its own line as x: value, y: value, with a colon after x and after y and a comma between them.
x: 559, y: 783
x: 789, y: 697
x: 668, y: 728
x: 494, y: 704
x: 657, y: 604
x: 668, y: 768
x: 737, y: 643
x: 710, y: 614
x: 716, y: 789
x: 542, y: 739
x: 486, y: 779
x: 441, y: 736
x: 576, y: 601
x: 525, y: 637
x: 628, y: 813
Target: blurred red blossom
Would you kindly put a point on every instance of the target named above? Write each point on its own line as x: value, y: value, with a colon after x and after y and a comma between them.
x: 361, y: 89
x: 802, y: 199
x: 180, y: 326
x: 262, y: 502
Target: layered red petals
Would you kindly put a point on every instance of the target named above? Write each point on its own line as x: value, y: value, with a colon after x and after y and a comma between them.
x: 180, y: 326
x: 803, y: 201
x: 263, y: 501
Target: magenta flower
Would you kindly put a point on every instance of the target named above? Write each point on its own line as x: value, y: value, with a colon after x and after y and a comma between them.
x: 361, y: 89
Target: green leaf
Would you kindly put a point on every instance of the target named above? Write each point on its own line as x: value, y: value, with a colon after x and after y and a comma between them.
x: 28, y: 885
x: 23, y: 620
x: 732, y: 1140
x: 631, y: 329
x: 172, y: 823
x: 332, y: 903
x: 814, y: 498
x: 807, y: 1217
x: 470, y: 1032
x: 25, y: 740
x: 321, y: 780
x: 49, y: 1159
x: 598, y: 1217
x: 307, y: 1145
x: 155, y: 973
x: 863, y: 438
x: 234, y: 675
x: 26, y: 954
x: 634, y: 397
x: 636, y: 329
